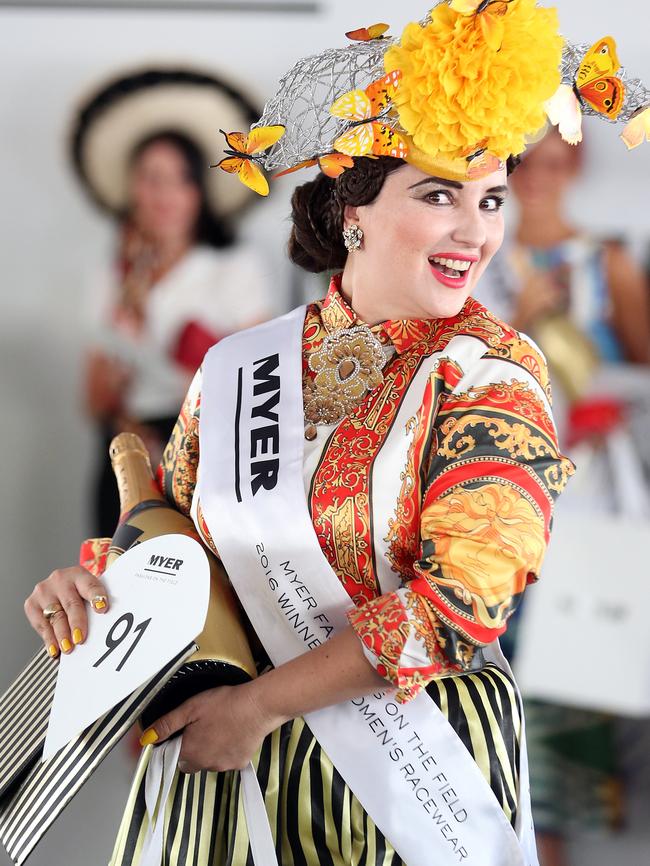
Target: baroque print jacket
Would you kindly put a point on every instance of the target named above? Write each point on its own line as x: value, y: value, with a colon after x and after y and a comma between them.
x: 435, y: 575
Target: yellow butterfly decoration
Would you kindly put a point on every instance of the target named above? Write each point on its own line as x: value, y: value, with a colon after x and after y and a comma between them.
x: 368, y: 135
x: 332, y: 164
x: 366, y: 34
x: 596, y: 85
x: 489, y: 14
x: 240, y: 152
x: 638, y: 129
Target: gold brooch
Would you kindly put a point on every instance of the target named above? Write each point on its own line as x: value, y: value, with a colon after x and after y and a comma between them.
x: 347, y: 366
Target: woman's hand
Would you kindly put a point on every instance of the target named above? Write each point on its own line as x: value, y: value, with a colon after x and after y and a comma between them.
x: 107, y: 380
x: 222, y: 729
x: 71, y: 589
x: 540, y: 294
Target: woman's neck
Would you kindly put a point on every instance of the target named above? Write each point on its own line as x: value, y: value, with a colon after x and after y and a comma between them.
x: 365, y: 312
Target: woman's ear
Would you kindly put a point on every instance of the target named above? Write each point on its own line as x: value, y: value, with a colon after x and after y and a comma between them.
x: 350, y: 215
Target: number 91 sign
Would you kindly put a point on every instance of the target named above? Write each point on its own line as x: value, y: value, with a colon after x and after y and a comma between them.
x: 159, y: 593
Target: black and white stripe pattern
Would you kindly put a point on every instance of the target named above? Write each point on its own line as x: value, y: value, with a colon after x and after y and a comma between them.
x: 30, y: 808
x: 29, y: 697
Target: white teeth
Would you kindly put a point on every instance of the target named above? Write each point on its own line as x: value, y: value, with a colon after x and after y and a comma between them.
x: 456, y: 264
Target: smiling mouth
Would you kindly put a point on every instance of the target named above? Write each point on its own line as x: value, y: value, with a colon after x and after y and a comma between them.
x: 455, y: 269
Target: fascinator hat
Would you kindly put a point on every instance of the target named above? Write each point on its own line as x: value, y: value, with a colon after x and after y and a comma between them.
x: 456, y: 95
x: 132, y: 107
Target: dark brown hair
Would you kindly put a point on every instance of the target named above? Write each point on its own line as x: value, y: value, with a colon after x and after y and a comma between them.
x: 316, y: 241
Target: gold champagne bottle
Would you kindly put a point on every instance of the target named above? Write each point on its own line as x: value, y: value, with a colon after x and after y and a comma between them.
x: 224, y: 656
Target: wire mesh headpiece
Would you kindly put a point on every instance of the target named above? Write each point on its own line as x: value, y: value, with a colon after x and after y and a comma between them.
x: 492, y: 34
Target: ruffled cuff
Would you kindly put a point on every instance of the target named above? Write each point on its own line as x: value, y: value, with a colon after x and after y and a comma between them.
x: 400, y: 642
x: 93, y: 553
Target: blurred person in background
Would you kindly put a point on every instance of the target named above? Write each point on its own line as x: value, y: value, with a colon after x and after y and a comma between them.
x: 585, y: 301
x: 177, y: 282
x: 552, y: 266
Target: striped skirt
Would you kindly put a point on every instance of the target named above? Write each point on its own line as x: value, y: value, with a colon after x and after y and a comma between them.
x: 314, y: 817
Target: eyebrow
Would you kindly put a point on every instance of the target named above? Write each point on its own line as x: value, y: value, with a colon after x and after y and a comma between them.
x: 454, y: 184
x: 438, y: 180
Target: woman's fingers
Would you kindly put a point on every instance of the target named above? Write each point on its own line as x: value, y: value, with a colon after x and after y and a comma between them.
x: 70, y: 588
x: 92, y: 590
x: 34, y: 614
x: 62, y: 632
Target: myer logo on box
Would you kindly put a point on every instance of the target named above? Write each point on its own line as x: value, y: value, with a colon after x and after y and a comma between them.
x: 164, y: 564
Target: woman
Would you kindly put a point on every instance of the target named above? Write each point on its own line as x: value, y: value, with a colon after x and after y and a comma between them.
x: 403, y: 293
x: 430, y: 465
x: 173, y: 287
x: 558, y: 268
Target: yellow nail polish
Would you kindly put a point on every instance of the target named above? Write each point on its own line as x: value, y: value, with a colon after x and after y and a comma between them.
x: 149, y: 738
x: 99, y: 603
x: 66, y: 646
x: 77, y: 636
x: 53, y: 650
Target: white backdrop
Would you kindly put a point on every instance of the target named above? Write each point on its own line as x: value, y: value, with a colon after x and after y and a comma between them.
x: 50, y: 235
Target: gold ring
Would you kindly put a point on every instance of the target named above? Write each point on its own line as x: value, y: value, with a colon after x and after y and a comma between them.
x: 51, y: 610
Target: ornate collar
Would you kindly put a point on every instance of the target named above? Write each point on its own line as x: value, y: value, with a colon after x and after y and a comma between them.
x: 403, y: 334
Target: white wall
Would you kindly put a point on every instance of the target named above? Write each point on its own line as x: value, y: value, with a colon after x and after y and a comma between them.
x: 50, y: 235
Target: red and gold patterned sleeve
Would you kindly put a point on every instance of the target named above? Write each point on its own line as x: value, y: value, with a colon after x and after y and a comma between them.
x: 488, y: 487
x: 176, y: 475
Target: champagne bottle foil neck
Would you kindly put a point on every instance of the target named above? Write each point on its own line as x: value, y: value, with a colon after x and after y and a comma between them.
x: 127, y: 443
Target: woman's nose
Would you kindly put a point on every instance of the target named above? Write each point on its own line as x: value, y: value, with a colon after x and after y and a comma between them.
x: 470, y: 228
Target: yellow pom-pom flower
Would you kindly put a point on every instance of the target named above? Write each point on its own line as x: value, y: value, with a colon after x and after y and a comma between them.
x: 460, y: 90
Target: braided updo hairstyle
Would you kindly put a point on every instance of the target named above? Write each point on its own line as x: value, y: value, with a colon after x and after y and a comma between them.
x: 316, y: 241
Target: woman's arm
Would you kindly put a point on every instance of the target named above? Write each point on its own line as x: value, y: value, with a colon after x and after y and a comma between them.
x: 484, y: 486
x: 223, y: 728
x: 629, y: 293
x: 105, y: 383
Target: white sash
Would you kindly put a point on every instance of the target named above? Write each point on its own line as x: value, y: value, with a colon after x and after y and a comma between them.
x: 405, y: 763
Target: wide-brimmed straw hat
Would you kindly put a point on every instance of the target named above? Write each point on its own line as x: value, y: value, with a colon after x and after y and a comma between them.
x: 128, y: 109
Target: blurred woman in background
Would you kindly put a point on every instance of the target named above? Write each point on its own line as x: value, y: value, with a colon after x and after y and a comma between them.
x: 553, y: 266
x: 176, y: 283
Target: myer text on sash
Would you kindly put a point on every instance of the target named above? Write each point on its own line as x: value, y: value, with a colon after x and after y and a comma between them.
x: 264, y: 437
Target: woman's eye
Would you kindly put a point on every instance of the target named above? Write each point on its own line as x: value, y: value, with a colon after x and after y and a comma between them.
x: 439, y: 196
x: 494, y: 203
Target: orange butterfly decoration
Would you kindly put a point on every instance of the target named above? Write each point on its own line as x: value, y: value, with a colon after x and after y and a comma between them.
x: 366, y: 34
x: 332, y: 164
x: 480, y: 163
x: 368, y: 135
x: 489, y: 15
x: 596, y: 82
x: 240, y: 152
x: 595, y: 85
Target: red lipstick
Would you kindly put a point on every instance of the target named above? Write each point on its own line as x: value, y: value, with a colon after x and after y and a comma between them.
x: 449, y: 280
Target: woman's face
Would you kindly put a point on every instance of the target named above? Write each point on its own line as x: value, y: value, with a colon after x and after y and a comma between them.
x: 165, y: 202
x: 545, y: 174
x: 426, y: 243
